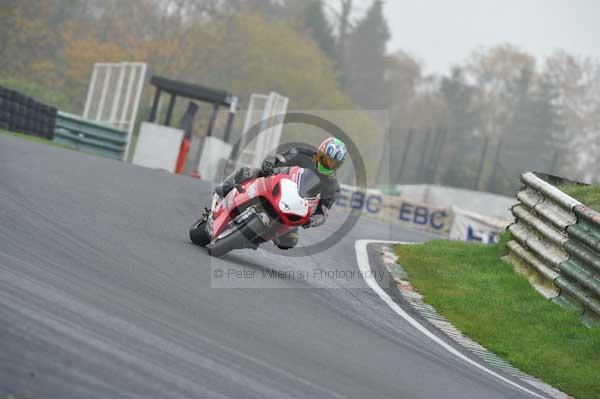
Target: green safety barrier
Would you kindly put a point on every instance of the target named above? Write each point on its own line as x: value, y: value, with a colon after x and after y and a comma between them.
x: 91, y: 137
x: 559, y: 238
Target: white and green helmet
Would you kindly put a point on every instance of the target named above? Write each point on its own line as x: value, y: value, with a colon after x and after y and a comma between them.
x: 331, y: 155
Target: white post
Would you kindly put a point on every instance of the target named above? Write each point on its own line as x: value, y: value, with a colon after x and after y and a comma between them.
x: 261, y: 140
x: 280, y: 110
x: 125, y: 112
x: 104, y: 93
x: 90, y: 93
x: 247, y: 122
x: 136, y: 107
x: 117, y: 97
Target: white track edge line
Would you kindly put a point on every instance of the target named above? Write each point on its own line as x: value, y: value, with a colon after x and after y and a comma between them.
x: 362, y: 258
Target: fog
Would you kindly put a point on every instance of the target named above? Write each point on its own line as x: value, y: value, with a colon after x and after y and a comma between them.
x: 473, y: 95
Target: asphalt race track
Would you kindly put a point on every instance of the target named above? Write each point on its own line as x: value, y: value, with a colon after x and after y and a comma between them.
x: 103, y: 296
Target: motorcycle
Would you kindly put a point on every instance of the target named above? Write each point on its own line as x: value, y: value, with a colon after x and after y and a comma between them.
x: 258, y: 211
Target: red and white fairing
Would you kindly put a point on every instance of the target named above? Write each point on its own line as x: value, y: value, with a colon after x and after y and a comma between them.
x: 279, y: 193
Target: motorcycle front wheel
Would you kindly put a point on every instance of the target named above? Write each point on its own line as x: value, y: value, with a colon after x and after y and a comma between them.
x: 198, y: 233
x: 244, y: 237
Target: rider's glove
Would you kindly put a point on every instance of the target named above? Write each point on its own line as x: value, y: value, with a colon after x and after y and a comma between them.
x: 268, y: 165
x: 315, y: 221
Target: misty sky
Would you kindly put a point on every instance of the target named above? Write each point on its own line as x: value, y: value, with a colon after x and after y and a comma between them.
x: 442, y: 33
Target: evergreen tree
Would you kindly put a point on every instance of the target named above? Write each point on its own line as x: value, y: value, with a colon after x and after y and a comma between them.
x: 535, y: 127
x: 319, y: 27
x: 343, y: 30
x: 521, y: 123
x: 364, y: 64
x: 515, y: 138
x: 460, y: 161
x: 549, y: 130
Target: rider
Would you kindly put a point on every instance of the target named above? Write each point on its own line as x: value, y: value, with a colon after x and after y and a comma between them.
x: 325, y: 161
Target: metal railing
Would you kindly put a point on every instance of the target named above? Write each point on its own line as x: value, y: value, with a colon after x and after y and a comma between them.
x: 91, y: 137
x: 559, y: 238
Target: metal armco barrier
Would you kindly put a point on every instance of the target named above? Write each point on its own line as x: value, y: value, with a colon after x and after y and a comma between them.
x: 22, y: 114
x: 90, y: 137
x: 559, y: 238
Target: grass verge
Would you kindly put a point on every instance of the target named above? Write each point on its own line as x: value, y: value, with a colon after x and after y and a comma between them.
x: 588, y: 195
x: 488, y: 301
x: 33, y: 138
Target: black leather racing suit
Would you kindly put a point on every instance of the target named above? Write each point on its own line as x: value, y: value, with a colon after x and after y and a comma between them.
x: 296, y: 156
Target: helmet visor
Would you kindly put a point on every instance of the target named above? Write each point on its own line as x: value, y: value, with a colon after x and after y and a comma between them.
x: 328, y: 165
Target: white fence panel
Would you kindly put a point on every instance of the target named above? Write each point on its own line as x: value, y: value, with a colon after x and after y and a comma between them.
x: 114, y: 95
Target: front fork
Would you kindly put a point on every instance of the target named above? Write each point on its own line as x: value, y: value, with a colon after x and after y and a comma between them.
x: 214, y: 202
x: 208, y: 213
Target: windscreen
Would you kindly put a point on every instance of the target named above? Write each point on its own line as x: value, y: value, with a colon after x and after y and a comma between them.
x: 309, y: 184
